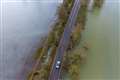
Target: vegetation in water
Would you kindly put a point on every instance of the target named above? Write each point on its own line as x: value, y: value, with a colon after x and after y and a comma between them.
x: 74, y: 55
x: 50, y: 44
x: 98, y: 3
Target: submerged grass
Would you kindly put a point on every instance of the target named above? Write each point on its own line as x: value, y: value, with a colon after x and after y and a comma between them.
x: 98, y: 3
x: 77, y: 55
x: 50, y: 42
x: 72, y: 59
x: 47, y: 52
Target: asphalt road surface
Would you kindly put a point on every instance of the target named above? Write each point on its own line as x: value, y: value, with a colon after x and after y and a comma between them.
x: 63, y: 45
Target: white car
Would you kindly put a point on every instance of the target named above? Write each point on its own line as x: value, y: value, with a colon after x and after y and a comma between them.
x: 58, y: 64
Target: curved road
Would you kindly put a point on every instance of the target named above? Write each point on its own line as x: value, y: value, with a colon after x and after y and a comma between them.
x: 63, y: 45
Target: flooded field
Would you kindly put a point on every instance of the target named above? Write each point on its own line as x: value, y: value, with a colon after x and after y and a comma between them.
x: 23, y: 24
x: 102, y: 36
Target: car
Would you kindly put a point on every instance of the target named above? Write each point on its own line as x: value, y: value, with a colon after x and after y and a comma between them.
x: 58, y: 64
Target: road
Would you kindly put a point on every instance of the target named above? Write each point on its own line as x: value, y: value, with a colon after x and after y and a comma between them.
x: 64, y: 42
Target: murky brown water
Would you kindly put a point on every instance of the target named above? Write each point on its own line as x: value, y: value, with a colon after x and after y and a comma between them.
x: 24, y: 23
x: 102, y: 35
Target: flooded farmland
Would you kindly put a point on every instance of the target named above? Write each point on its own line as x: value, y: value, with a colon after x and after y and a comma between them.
x: 25, y: 22
x: 102, y: 36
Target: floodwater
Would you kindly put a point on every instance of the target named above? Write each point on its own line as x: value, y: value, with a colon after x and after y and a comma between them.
x: 102, y: 37
x: 23, y: 24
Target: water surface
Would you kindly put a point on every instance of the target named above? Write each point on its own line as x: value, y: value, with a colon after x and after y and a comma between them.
x: 102, y: 36
x: 24, y: 23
